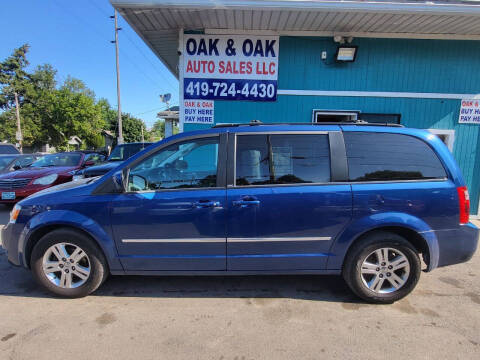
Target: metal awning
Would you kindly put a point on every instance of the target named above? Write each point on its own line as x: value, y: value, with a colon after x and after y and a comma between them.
x: 158, y: 21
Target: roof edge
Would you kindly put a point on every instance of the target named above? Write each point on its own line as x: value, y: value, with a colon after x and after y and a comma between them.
x: 406, y: 7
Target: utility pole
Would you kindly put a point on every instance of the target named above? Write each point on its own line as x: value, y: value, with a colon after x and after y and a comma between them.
x: 120, y: 131
x: 18, y: 135
x: 143, y: 139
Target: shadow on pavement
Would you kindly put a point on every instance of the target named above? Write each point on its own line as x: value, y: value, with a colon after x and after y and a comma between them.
x: 19, y: 282
x: 5, y: 213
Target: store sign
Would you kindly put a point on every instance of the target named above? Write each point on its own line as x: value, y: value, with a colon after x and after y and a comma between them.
x: 469, y: 112
x: 198, y: 111
x: 230, y: 67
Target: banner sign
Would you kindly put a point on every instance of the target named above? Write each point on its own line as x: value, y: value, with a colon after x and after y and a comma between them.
x: 198, y: 111
x: 469, y: 112
x: 230, y: 67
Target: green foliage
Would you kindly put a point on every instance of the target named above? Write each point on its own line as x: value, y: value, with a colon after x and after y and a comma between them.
x: 158, y: 130
x: 96, y: 142
x: 132, y: 128
x: 13, y: 77
x: 51, y: 113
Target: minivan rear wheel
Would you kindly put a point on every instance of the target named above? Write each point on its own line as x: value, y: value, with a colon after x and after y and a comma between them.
x: 68, y: 263
x: 382, y: 267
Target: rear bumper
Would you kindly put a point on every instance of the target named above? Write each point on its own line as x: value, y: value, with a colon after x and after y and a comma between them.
x: 457, y: 245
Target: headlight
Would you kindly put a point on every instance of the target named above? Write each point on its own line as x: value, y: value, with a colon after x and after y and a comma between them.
x: 14, y: 213
x: 46, y: 180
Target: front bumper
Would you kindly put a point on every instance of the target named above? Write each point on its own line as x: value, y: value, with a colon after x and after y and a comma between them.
x: 10, y: 236
x: 457, y: 245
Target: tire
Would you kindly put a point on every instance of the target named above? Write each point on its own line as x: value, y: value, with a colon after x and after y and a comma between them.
x: 55, y: 277
x: 364, y: 271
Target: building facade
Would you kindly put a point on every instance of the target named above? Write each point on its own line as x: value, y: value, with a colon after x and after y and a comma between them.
x: 415, y: 63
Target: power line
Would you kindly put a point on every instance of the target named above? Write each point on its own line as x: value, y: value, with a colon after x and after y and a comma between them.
x: 154, y: 67
x: 156, y: 109
x: 96, y: 30
x: 150, y: 62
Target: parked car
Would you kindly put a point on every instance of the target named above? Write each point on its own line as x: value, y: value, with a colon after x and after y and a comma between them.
x: 121, y: 153
x: 361, y: 201
x: 15, y: 162
x: 47, y: 171
x: 8, y: 149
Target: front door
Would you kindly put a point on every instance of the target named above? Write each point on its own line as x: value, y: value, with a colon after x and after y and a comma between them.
x: 172, y: 216
x: 284, y: 212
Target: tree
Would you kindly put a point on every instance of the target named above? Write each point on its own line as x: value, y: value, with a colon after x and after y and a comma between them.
x: 158, y: 130
x: 53, y: 114
x: 75, y: 112
x: 35, y: 93
x: 132, y: 128
x: 13, y: 77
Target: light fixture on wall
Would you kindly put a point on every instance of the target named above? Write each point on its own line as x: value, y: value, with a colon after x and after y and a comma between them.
x: 346, y: 53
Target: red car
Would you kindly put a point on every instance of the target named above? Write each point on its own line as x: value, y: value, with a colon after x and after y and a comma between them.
x: 46, y: 172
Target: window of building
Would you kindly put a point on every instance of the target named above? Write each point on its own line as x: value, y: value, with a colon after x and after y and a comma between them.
x: 320, y: 116
x: 447, y: 136
x: 190, y: 164
x: 282, y: 159
x: 380, y: 118
x: 389, y: 157
x: 327, y: 116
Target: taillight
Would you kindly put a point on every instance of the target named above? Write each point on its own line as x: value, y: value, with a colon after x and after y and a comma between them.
x: 464, y: 204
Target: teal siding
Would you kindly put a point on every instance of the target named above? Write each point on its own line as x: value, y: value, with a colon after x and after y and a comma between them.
x: 434, y: 66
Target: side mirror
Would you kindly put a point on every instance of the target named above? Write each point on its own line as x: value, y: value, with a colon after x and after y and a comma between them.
x: 89, y: 163
x: 119, y: 181
x: 17, y: 167
x: 139, y: 182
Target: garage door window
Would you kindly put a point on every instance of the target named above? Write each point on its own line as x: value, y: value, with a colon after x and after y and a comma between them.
x: 282, y: 159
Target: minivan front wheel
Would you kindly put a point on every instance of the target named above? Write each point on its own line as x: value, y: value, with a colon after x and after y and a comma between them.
x: 68, y: 263
x: 382, y: 268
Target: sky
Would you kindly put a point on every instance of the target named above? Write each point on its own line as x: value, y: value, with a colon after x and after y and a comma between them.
x: 74, y: 37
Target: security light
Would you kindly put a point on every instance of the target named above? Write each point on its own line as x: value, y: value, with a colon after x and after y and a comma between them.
x: 346, y: 53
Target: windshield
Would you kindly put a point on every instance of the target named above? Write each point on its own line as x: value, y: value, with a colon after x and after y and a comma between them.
x: 5, y: 160
x: 123, y: 152
x: 61, y: 159
x: 8, y: 149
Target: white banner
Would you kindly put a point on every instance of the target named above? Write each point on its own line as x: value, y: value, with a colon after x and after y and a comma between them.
x: 230, y: 67
x: 469, y: 112
x: 199, y: 111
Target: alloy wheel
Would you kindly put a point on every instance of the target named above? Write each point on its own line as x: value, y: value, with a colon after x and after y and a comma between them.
x: 66, y: 265
x: 385, y: 270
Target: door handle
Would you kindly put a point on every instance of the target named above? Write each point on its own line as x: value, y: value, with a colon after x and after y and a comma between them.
x: 246, y: 201
x: 206, y: 204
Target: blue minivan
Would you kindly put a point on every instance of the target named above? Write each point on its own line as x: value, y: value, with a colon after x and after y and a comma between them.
x: 346, y: 199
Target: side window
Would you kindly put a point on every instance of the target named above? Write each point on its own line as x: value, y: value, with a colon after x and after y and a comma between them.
x: 282, y: 159
x: 96, y: 158
x: 190, y: 164
x: 390, y: 157
x: 23, y: 162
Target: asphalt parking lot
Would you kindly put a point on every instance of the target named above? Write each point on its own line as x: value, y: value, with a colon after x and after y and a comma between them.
x: 240, y: 318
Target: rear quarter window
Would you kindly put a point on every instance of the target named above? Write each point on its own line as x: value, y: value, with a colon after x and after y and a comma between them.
x: 390, y: 157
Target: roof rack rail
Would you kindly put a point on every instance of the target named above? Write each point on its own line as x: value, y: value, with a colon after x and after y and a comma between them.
x: 356, y: 123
